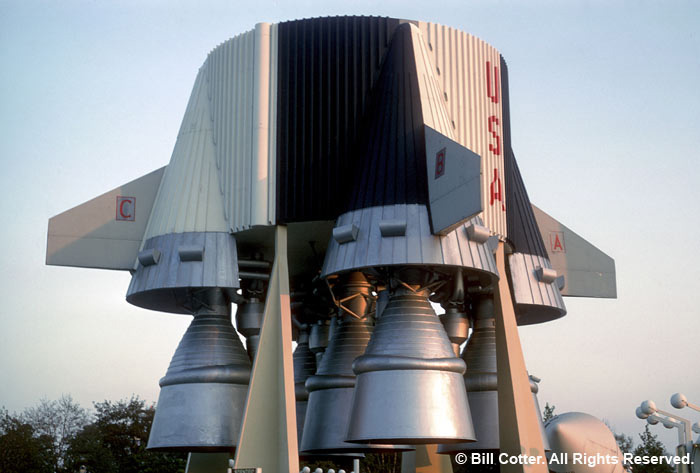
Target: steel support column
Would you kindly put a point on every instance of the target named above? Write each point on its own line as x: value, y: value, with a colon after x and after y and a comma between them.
x: 518, y: 425
x: 268, y: 434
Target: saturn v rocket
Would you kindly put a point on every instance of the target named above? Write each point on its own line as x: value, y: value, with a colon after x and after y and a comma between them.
x: 337, y: 179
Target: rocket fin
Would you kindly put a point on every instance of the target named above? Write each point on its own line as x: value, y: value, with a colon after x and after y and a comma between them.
x: 104, y: 232
x: 587, y: 271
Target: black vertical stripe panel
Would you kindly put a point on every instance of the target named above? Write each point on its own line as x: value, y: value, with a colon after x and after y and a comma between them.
x: 326, y: 68
x: 521, y: 226
x: 391, y: 146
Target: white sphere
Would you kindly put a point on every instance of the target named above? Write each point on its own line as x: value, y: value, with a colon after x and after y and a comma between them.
x: 669, y: 422
x: 640, y: 413
x: 306, y: 469
x: 652, y: 420
x: 318, y: 470
x: 648, y: 407
x: 679, y: 401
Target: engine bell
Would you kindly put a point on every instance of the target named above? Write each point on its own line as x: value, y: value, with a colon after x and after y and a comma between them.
x: 202, y: 396
x: 304, y: 366
x: 481, y: 380
x: 331, y: 388
x: 409, y: 386
x: 249, y: 317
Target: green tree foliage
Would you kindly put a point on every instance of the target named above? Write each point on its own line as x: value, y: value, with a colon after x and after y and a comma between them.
x: 60, y: 436
x: 624, y: 442
x: 116, y: 441
x: 548, y: 412
x: 22, y: 449
x: 59, y: 421
x: 650, y: 446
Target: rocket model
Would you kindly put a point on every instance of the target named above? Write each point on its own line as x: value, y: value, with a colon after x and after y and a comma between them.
x: 335, y: 178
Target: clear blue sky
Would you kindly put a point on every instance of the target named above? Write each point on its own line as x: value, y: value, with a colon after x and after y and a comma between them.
x: 606, y: 127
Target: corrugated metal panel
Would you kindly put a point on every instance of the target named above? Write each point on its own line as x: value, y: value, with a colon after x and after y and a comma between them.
x: 189, y: 198
x: 243, y: 98
x: 167, y: 282
x: 468, y: 70
x: 221, y: 176
x: 327, y: 66
x: 390, y: 167
x: 522, y: 230
x: 230, y: 73
x: 417, y: 246
x: 535, y: 301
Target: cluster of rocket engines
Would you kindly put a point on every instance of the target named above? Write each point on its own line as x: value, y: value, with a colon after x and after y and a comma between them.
x: 383, y: 146
x: 377, y: 371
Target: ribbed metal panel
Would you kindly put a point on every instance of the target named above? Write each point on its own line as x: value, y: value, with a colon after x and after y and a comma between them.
x: 326, y: 68
x: 391, y: 147
x: 165, y: 284
x: 464, y: 66
x: 522, y: 230
x: 221, y: 176
x: 536, y: 301
x: 210, y: 341
x: 242, y: 100
x: 418, y: 246
x: 189, y: 198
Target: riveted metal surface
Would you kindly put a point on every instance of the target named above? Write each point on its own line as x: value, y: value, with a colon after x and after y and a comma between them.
x: 418, y: 246
x: 201, y: 403
x: 413, y: 406
x: 535, y: 301
x: 167, y: 285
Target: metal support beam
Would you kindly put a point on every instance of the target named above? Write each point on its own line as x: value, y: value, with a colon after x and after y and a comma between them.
x: 269, y: 433
x: 518, y: 425
x: 425, y: 459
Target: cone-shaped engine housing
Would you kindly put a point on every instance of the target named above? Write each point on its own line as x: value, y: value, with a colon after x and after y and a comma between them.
x: 409, y: 387
x: 249, y: 318
x: 331, y: 388
x: 481, y: 380
x: 304, y: 366
x: 202, y: 397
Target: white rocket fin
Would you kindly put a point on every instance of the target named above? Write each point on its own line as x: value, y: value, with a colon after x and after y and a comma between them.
x: 104, y: 232
x: 587, y: 271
